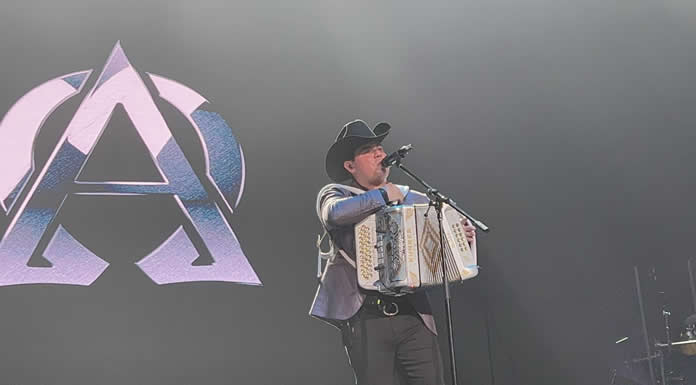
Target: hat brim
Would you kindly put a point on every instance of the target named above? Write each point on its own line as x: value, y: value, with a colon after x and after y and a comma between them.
x: 344, y: 149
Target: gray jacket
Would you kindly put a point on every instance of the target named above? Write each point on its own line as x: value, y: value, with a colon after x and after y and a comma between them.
x: 338, y: 296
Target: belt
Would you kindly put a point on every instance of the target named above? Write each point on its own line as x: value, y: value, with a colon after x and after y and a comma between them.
x: 388, y: 306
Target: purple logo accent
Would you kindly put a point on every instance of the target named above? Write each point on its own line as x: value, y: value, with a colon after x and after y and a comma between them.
x: 32, y: 217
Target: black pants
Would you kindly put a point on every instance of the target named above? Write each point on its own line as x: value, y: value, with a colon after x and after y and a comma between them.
x: 392, y: 350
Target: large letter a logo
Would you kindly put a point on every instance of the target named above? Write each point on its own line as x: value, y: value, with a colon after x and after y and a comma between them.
x: 33, y: 216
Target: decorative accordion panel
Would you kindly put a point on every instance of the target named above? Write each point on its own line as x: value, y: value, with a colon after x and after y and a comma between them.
x: 398, y: 249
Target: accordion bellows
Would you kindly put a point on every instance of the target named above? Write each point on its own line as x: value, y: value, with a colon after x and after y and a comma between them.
x: 398, y: 249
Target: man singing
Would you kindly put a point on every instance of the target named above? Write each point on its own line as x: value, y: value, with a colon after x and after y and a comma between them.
x: 389, y: 340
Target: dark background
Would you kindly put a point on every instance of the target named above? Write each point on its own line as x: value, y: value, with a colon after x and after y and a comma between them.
x: 568, y: 126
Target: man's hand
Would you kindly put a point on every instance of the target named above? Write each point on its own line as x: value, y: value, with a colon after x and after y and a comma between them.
x: 394, y: 193
x: 469, y: 230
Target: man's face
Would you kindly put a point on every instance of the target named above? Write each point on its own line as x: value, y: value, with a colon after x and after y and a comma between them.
x: 366, y: 166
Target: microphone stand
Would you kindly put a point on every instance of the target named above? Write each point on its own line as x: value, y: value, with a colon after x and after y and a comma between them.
x: 437, y: 199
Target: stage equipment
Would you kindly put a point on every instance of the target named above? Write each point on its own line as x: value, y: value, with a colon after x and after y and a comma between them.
x: 688, y: 343
x: 649, y: 356
x: 671, y: 371
x: 396, y: 156
x: 664, y: 367
x: 398, y: 249
x: 692, y: 283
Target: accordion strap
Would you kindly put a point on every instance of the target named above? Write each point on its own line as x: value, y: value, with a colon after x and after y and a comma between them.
x: 347, y: 258
x: 330, y: 254
x: 321, y: 254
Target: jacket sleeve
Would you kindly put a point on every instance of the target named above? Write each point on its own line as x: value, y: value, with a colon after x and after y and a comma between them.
x: 336, y: 207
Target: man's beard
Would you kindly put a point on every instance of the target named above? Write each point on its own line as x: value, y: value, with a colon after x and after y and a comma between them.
x: 380, y: 176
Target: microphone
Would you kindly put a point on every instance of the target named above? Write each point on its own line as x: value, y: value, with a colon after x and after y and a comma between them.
x: 396, y: 156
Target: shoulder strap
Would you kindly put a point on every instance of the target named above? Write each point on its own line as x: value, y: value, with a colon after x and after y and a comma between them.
x: 350, y: 260
x: 321, y: 254
x: 330, y: 254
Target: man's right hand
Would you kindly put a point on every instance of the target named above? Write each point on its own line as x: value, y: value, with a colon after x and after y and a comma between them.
x: 394, y: 193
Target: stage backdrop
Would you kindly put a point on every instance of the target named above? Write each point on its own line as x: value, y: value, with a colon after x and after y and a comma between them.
x: 567, y: 126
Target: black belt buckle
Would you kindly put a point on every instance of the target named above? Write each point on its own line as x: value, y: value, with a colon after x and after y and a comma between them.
x: 388, y: 308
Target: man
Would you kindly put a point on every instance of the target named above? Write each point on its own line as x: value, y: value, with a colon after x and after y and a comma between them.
x: 386, y: 338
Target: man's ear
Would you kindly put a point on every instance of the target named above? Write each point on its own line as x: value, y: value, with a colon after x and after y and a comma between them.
x: 348, y: 165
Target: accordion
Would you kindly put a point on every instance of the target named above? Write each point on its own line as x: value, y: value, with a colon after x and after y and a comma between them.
x: 398, y: 249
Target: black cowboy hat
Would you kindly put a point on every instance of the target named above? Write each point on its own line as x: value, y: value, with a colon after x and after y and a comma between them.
x: 350, y: 138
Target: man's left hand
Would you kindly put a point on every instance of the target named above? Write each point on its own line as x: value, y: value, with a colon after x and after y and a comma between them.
x: 469, y: 230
